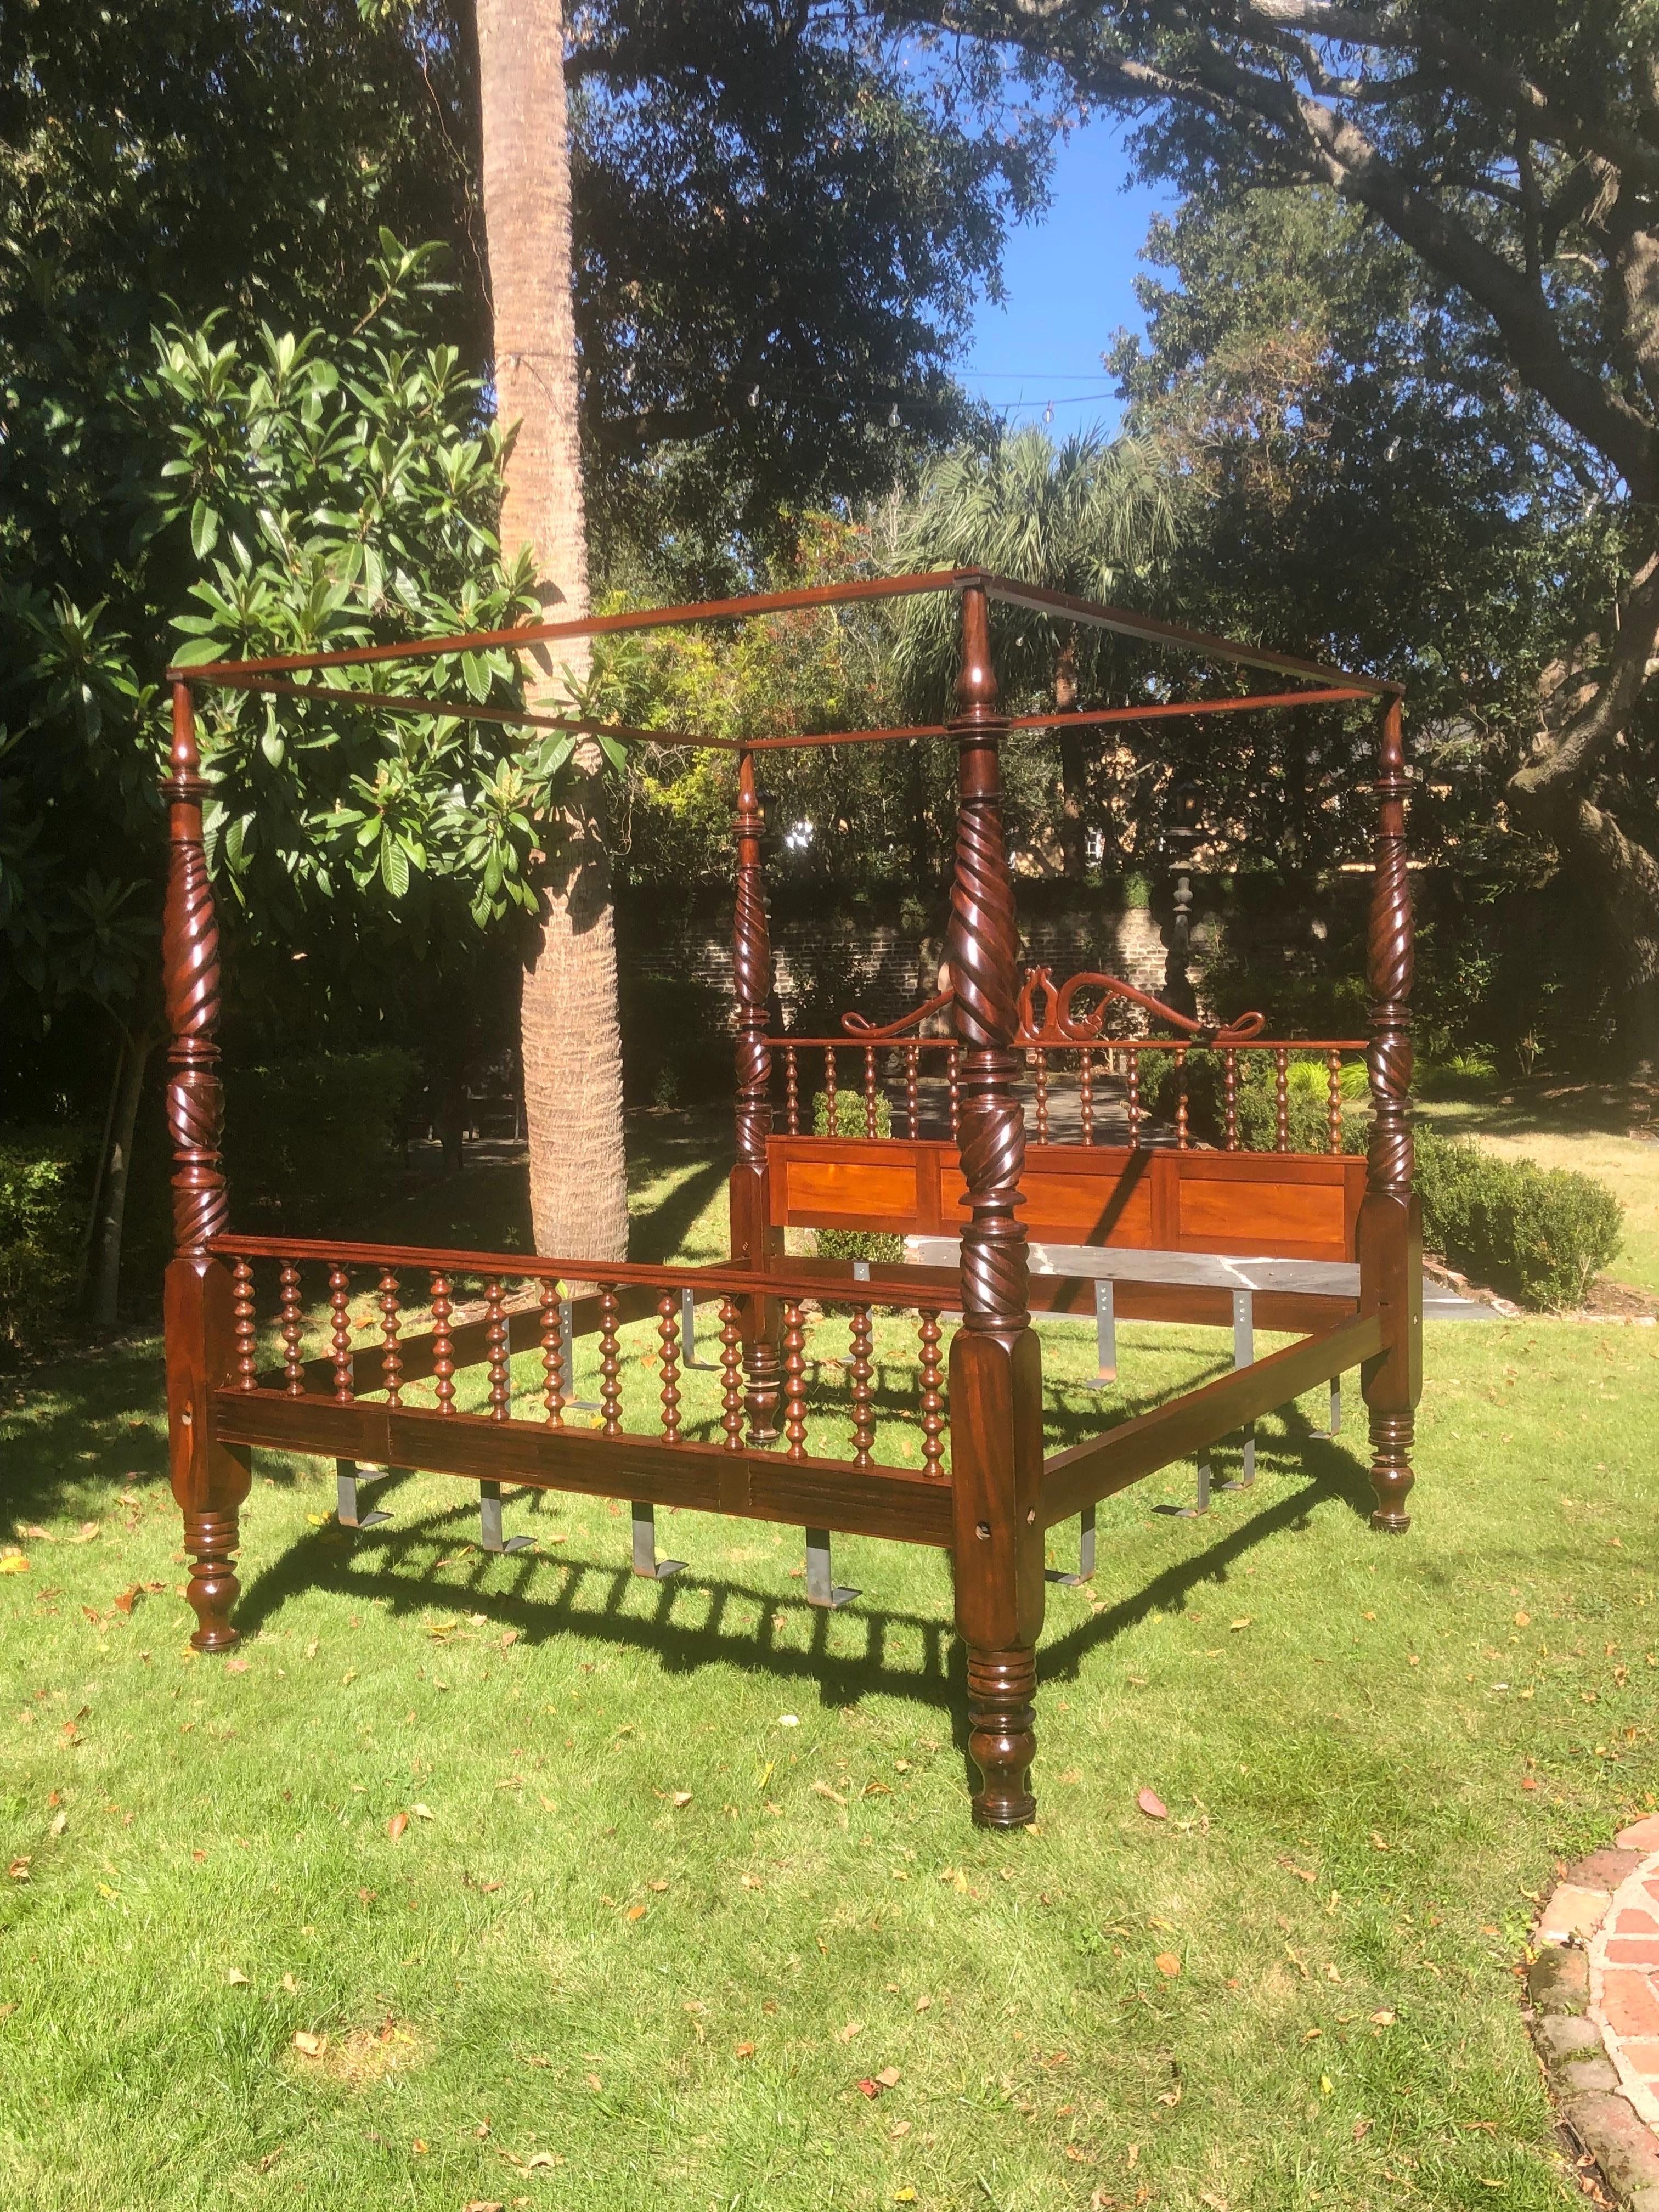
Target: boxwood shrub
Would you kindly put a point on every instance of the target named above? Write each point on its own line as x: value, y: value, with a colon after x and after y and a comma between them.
x: 1540, y: 1235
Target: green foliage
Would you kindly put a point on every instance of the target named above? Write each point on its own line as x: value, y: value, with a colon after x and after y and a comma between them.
x: 310, y: 1142
x: 1542, y: 1234
x: 43, y: 1202
x: 1307, y: 1101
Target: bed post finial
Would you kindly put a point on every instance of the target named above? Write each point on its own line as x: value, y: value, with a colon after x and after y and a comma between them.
x: 209, y: 1480
x: 753, y: 1237
x: 1390, y: 1217
x: 996, y: 1376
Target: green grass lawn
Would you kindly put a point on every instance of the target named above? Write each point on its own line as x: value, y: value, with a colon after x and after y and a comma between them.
x: 685, y: 1864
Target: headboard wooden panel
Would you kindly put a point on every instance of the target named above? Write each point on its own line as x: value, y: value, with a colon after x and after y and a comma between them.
x: 1296, y: 1205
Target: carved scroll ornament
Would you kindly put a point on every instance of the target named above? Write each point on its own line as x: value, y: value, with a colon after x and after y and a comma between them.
x: 1057, y: 1023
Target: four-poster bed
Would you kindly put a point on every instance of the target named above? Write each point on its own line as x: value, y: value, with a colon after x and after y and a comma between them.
x: 1125, y: 1185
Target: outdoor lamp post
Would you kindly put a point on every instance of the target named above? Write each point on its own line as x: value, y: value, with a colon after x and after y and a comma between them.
x: 1183, y: 835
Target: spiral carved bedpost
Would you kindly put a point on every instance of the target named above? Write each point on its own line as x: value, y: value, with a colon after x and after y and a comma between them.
x: 996, y: 1375
x: 754, y: 1240
x: 209, y: 1480
x: 1390, y: 1216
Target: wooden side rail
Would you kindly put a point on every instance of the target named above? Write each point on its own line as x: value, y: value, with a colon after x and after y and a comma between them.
x: 1087, y: 1473
x: 758, y: 1486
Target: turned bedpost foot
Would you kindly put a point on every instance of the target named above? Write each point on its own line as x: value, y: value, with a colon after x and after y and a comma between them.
x: 762, y: 1397
x: 1002, y: 1736
x: 211, y: 1540
x: 1391, y: 1470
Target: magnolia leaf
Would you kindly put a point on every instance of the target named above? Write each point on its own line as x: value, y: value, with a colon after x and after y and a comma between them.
x: 203, y: 530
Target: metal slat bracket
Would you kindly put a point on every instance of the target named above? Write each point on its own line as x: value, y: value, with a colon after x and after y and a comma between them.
x: 822, y: 1587
x: 351, y: 1478
x: 489, y: 1522
x: 1085, y: 1555
x: 646, y: 1562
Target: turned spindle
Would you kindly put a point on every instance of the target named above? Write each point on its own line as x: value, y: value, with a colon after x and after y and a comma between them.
x: 668, y: 1336
x: 913, y: 1091
x: 339, y: 1303
x: 792, y: 1090
x: 864, y: 1410
x: 1230, y: 1091
x: 391, y: 1362
x: 554, y: 1381
x: 292, y: 1329
x: 1333, y: 1103
x: 496, y: 1352
x: 730, y: 1375
x: 871, y: 1120
x: 832, y: 1127
x: 1086, y: 1095
x: 953, y: 1078
x: 609, y: 1364
x: 1281, y: 1099
x: 443, y: 1344
x: 794, y: 1382
x: 932, y: 1397
x: 245, y: 1326
x: 1134, y: 1097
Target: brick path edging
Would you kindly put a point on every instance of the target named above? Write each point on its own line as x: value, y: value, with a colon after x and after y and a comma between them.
x: 1593, y: 1983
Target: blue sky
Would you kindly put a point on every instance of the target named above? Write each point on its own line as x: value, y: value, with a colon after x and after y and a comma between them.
x: 1070, y: 278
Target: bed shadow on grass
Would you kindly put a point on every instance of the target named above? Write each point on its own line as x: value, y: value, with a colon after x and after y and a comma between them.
x: 696, y: 1622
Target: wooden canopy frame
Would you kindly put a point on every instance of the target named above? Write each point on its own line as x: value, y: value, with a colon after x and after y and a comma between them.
x: 984, y: 1489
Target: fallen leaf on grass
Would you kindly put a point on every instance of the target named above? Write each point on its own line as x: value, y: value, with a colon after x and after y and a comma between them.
x: 269, y: 2158
x: 423, y: 1811
x: 484, y: 2204
x: 395, y: 1824
x: 19, y: 1869
x: 1168, y: 1965
x: 85, y: 1533
x: 237, y: 1666
x: 846, y: 2034
x: 1151, y: 1805
x: 682, y: 1799
x: 1361, y: 2130
x: 128, y: 1598
x: 744, y: 2051
x: 1244, y: 1621
x: 1378, y: 1842
x: 822, y: 1790
x: 239, y: 1980
x: 1385, y: 2019
x: 58, y: 1822
x: 14, y: 1564
x: 635, y: 1912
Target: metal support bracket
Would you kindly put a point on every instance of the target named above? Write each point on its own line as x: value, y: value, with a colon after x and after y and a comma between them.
x: 1336, y: 1405
x: 1203, y: 1502
x: 567, y: 1344
x: 689, y: 1335
x: 351, y: 1478
x: 822, y: 1587
x: 1105, y: 1336
x: 646, y: 1562
x: 1085, y: 1555
x: 1244, y: 1356
x: 489, y: 1522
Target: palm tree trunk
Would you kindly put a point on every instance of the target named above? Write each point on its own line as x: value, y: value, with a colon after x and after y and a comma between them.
x: 567, y: 1020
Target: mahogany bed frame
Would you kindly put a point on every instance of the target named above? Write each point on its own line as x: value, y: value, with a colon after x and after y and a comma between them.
x: 984, y: 1490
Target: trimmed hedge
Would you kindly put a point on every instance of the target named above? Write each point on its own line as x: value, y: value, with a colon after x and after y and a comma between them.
x: 43, y: 1204
x: 1539, y: 1234
x: 878, y: 1245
